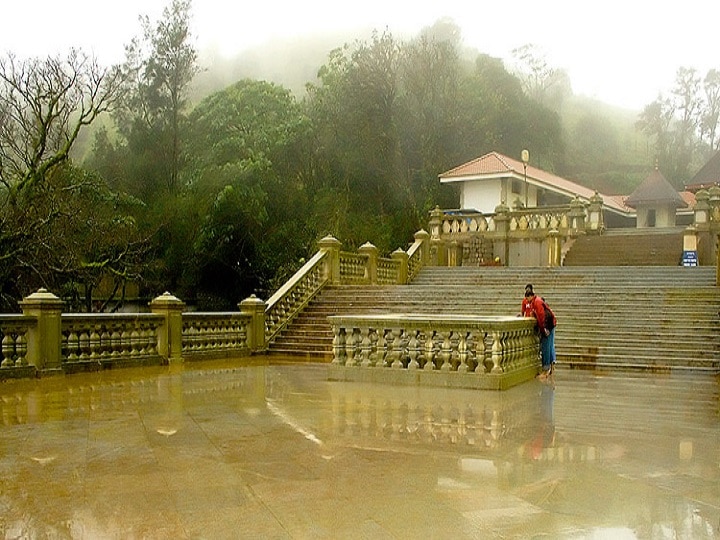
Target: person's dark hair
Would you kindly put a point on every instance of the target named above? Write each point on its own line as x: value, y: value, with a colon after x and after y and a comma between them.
x: 528, y: 287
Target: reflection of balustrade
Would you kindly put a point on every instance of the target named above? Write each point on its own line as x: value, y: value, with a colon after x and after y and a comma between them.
x: 495, y: 352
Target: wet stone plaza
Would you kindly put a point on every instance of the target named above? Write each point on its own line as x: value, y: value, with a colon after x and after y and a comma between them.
x: 216, y: 450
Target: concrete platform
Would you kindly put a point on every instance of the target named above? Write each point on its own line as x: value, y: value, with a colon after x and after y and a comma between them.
x: 218, y: 450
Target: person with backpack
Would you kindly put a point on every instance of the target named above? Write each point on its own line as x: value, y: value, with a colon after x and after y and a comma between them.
x: 535, y: 306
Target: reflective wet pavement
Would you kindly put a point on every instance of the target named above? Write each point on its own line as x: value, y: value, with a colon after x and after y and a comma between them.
x: 211, y: 450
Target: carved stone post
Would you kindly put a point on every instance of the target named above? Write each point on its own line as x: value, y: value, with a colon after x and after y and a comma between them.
x: 502, y: 226
x: 371, y: 252
x: 554, y: 248
x: 332, y: 246
x: 594, y: 222
x: 170, y: 331
x: 577, y: 216
x: 255, y: 307
x: 702, y: 210
x: 423, y: 237
x: 44, y: 345
x: 438, y: 250
x: 402, y: 257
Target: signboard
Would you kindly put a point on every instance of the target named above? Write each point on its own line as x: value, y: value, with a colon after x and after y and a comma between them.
x: 690, y: 258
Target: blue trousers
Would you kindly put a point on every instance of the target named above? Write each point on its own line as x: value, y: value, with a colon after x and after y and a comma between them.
x: 547, y: 349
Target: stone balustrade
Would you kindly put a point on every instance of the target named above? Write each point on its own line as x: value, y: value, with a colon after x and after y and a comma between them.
x: 44, y: 340
x: 213, y: 334
x: 109, y: 339
x: 449, y: 350
x: 331, y: 265
x: 14, y: 331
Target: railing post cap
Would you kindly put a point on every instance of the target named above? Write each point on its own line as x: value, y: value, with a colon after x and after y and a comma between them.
x: 41, y: 297
x: 252, y: 300
x: 166, y: 300
x: 329, y: 242
x: 422, y: 234
x: 367, y: 246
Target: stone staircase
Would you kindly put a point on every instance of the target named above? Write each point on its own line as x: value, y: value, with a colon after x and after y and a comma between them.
x: 645, y: 317
x: 628, y: 247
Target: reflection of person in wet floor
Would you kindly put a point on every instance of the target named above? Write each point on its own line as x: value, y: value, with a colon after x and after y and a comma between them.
x: 546, y: 434
x: 534, y: 306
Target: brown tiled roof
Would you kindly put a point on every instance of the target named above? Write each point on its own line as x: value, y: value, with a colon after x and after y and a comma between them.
x: 655, y: 189
x: 707, y: 176
x: 495, y: 165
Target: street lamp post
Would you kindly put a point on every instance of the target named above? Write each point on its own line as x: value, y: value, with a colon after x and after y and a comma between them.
x: 525, y: 156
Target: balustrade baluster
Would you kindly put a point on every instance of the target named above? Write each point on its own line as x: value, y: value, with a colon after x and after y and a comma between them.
x: 72, y: 346
x: 338, y: 345
x: 21, y: 349
x: 430, y: 351
x: 351, y: 339
x: 378, y: 355
x: 105, y: 342
x: 497, y: 352
x: 365, y: 346
x: 8, y: 348
x: 413, y: 347
x: 115, y: 341
x: 462, y: 353
x: 94, y: 344
x: 84, y: 345
x: 445, y: 351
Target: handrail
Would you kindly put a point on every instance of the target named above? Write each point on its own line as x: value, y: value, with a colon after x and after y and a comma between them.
x: 295, y: 294
x: 415, y: 259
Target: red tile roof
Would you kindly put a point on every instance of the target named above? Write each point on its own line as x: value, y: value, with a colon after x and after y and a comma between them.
x: 494, y: 165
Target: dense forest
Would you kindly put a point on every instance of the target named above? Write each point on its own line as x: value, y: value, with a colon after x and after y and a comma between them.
x: 162, y: 174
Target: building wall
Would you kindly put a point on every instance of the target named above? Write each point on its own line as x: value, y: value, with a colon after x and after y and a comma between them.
x: 485, y: 195
x: 655, y: 216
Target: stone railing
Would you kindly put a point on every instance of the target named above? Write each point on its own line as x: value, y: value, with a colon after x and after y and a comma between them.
x: 476, y: 352
x: 14, y: 330
x: 44, y: 340
x: 330, y: 265
x: 519, y: 237
x: 109, y: 338
x: 214, y: 334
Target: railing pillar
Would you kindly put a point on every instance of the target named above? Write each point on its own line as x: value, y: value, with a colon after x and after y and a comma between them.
x: 702, y: 210
x: 255, y: 307
x: 577, y: 215
x: 502, y: 226
x: 455, y: 253
x: 371, y: 252
x: 44, y: 345
x: 170, y: 331
x: 402, y: 257
x: 423, y: 237
x: 438, y: 249
x: 332, y: 246
x: 554, y: 248
x: 595, y: 222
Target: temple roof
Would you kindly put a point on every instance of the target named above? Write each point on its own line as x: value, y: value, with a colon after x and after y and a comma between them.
x: 707, y: 176
x: 496, y: 165
x: 655, y: 189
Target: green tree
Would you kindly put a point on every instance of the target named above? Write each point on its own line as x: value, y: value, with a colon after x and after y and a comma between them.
x: 159, y: 67
x: 247, y: 149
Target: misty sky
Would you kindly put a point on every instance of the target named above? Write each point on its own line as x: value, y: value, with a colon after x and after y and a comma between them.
x: 621, y: 52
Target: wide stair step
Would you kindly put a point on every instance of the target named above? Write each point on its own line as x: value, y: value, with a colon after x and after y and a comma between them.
x: 630, y: 317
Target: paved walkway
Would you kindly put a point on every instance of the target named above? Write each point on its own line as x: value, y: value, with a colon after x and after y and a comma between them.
x: 216, y: 451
